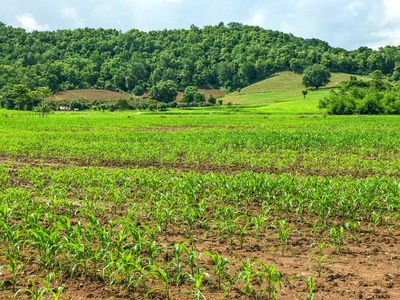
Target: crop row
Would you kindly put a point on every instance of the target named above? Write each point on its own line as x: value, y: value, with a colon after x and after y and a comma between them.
x: 359, y: 154
x: 139, y: 230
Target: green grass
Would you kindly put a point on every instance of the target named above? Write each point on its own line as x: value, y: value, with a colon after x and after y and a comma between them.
x: 276, y: 144
x: 280, y: 89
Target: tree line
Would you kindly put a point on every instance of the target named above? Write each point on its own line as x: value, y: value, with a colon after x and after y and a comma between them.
x: 228, y: 56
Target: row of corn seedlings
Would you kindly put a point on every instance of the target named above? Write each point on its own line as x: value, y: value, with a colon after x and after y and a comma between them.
x: 113, y: 225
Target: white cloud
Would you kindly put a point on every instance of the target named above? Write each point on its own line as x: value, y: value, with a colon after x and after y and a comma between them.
x: 342, y: 23
x: 257, y: 19
x: 68, y: 12
x: 393, y: 7
x: 28, y: 22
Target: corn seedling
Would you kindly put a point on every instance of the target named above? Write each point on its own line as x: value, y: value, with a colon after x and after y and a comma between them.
x: 14, y: 266
x: 319, y: 261
x: 272, y: 279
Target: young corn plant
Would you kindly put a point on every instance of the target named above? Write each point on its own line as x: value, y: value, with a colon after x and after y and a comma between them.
x: 321, y: 247
x: 245, y: 275
x: 14, y: 266
x: 156, y: 271
x: 283, y: 234
x: 220, y: 266
x: 272, y: 279
x: 48, y: 245
x: 54, y: 292
x: 197, y: 279
x: 177, y: 259
x: 336, y: 238
x: 375, y: 220
x: 310, y: 286
x: 240, y: 233
x: 191, y: 258
x: 126, y: 267
x: 36, y: 292
x: 152, y: 250
x: 319, y: 260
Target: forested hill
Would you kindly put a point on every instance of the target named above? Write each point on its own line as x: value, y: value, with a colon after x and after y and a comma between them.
x: 229, y: 56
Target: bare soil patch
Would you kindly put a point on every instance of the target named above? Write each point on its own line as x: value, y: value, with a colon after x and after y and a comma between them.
x: 89, y: 95
x: 104, y: 95
x: 185, y: 166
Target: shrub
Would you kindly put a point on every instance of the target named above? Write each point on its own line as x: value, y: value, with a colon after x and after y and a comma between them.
x: 199, y: 97
x: 172, y: 104
x: 211, y: 99
x: 152, y: 104
x: 162, y: 106
x: 164, y: 91
x: 354, y: 97
x: 138, y: 90
x: 81, y: 104
x: 139, y: 103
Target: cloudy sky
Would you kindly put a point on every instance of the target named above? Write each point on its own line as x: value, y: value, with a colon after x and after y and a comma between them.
x: 342, y: 23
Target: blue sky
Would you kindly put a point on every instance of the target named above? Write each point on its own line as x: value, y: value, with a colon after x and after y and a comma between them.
x: 342, y: 23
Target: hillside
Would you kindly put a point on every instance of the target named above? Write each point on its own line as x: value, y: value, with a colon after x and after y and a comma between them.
x: 224, y: 56
x: 283, y: 86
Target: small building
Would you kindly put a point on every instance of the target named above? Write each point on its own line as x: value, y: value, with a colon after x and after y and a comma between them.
x: 64, y: 108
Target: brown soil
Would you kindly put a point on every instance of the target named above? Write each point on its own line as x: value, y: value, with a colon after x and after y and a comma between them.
x: 104, y: 95
x: 182, y: 166
x: 89, y: 94
x: 369, y: 270
x: 367, y: 267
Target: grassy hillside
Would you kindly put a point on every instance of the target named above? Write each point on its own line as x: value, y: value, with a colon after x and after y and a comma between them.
x: 281, y: 93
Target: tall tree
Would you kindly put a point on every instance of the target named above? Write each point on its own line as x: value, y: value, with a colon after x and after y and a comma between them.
x: 316, y: 76
x: 164, y: 91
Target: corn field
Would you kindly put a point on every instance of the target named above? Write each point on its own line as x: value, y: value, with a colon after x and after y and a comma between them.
x: 172, y: 208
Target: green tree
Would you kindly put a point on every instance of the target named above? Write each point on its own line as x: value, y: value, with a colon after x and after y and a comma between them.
x: 199, y: 97
x: 304, y: 92
x: 152, y: 104
x: 162, y: 106
x: 211, y: 99
x: 188, y: 94
x: 75, y: 104
x: 377, y: 75
x: 44, y: 108
x: 164, y: 91
x: 122, y: 104
x: 395, y: 76
x: 138, y: 90
x: 316, y: 76
x: 191, y: 94
x: 20, y: 94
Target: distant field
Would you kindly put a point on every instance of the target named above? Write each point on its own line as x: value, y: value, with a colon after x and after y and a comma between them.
x: 93, y: 94
x: 283, y: 86
x: 89, y: 94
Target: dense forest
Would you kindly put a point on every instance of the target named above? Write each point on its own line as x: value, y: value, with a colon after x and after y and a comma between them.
x: 224, y: 56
